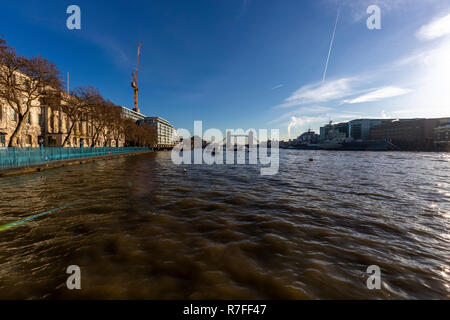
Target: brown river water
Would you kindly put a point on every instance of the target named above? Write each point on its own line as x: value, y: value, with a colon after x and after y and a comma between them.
x: 142, y: 229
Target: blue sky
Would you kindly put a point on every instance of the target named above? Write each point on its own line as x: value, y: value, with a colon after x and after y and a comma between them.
x: 248, y: 63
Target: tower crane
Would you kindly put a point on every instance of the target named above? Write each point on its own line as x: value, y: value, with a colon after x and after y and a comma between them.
x: 134, y: 76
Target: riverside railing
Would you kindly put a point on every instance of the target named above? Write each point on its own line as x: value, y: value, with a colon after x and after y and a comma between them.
x: 11, y: 158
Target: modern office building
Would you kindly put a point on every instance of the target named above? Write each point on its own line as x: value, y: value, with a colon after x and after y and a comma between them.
x: 324, y: 131
x: 410, y: 134
x: 166, y: 133
x: 442, y: 133
x: 341, y: 127
x: 131, y: 114
x: 359, y: 129
x: 442, y: 136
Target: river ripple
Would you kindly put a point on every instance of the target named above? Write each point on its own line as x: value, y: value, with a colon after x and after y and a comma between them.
x: 144, y: 229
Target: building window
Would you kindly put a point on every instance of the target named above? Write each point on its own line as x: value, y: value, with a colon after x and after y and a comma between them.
x: 54, y: 125
x: 51, y: 141
x: 41, y: 117
x: 2, y: 139
x: 74, y: 141
x: 13, y: 114
x: 29, y: 118
x: 29, y: 140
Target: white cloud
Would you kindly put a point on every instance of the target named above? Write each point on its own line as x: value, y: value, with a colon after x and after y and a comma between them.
x: 382, y: 93
x: 339, y: 89
x: 302, y: 121
x: 277, y: 86
x: 320, y: 92
x: 434, y: 77
x: 385, y: 115
x: 313, y: 116
x: 301, y: 112
x: 435, y: 29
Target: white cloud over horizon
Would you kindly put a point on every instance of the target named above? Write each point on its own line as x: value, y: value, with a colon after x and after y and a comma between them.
x: 319, y: 92
x: 435, y: 29
x: 302, y: 111
x: 312, y: 115
x: 302, y: 122
x: 379, y: 94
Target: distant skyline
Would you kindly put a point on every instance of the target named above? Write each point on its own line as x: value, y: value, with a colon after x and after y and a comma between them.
x: 247, y: 63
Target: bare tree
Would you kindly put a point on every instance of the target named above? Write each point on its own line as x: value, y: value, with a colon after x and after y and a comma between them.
x: 139, y: 135
x: 24, y: 83
x: 98, y: 118
x: 150, y: 136
x: 111, y: 115
x: 128, y: 128
x: 116, y: 126
x: 76, y: 106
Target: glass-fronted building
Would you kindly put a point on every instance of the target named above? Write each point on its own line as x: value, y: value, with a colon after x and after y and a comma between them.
x: 131, y: 114
x: 166, y: 133
x: 442, y: 134
x: 360, y: 129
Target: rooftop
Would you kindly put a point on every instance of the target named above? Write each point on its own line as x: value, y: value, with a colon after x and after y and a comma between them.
x: 133, y: 112
x: 159, y: 119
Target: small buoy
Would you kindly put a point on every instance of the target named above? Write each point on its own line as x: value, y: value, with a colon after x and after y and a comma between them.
x: 184, y: 171
x: 311, y: 159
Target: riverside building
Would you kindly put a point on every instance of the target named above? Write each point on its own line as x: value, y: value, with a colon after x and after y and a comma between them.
x: 442, y: 137
x: 131, y: 114
x: 49, y: 128
x: 411, y: 134
x: 166, y: 134
x: 8, y: 122
x: 442, y: 134
x: 360, y: 129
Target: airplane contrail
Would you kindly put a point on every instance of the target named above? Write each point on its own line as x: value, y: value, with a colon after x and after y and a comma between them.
x: 331, y: 46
